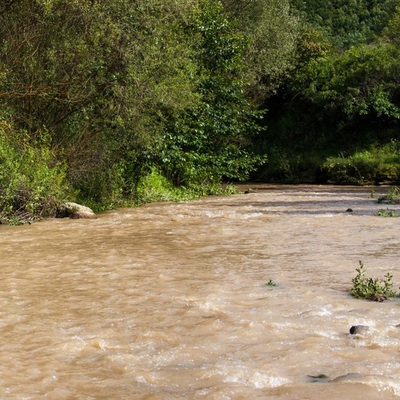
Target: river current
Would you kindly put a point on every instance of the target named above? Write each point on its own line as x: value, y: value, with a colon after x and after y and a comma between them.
x: 172, y: 301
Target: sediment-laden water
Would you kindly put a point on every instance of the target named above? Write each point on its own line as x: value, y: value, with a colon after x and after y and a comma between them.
x: 170, y: 301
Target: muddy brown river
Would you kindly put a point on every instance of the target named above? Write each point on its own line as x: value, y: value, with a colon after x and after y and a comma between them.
x: 171, y: 301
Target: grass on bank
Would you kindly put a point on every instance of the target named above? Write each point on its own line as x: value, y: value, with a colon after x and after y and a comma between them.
x: 379, y: 164
x: 155, y: 187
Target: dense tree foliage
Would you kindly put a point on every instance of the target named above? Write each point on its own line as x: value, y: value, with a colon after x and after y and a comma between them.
x: 342, y: 98
x: 347, y: 22
x: 271, y: 30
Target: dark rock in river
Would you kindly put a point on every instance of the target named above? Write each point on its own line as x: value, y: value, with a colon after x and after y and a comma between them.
x: 318, y: 378
x: 75, y: 211
x: 358, y: 329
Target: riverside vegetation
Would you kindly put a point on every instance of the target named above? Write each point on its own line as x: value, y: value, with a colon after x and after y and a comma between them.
x: 372, y: 289
x: 121, y: 103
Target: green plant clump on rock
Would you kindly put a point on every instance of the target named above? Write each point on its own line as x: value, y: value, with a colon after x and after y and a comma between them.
x: 372, y: 289
x: 391, y: 197
x: 387, y: 213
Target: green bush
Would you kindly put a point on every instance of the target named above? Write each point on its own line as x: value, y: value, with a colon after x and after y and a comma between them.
x: 372, y: 289
x: 376, y: 165
x: 391, y: 197
x: 387, y: 213
x: 156, y: 187
x: 31, y: 183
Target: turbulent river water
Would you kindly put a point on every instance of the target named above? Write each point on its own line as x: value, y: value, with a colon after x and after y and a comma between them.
x: 171, y: 301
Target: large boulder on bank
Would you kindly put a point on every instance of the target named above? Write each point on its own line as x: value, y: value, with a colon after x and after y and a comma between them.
x: 75, y: 211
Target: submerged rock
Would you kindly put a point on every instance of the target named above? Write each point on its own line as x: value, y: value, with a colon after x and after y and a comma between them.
x: 75, y: 211
x: 352, y: 376
x: 358, y: 329
x: 318, y: 378
x: 379, y: 297
x: 342, y: 378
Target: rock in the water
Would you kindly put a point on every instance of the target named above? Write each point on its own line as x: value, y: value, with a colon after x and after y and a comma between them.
x: 358, y: 329
x: 352, y: 376
x: 318, y: 378
x: 378, y: 297
x: 75, y: 210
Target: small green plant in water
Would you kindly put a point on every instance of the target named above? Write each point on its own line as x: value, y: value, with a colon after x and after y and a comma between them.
x: 271, y: 283
x: 372, y: 289
x: 15, y: 221
x: 391, y: 197
x: 387, y: 213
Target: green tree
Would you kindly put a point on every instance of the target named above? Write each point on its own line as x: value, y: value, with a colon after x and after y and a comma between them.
x: 211, y: 141
x: 361, y: 82
x: 347, y: 22
x: 392, y: 30
x: 271, y: 30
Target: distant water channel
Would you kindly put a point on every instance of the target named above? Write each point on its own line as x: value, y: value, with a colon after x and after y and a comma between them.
x: 170, y: 301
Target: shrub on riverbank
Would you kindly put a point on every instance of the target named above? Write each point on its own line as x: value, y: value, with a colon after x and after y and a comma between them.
x: 374, y: 166
x: 155, y: 187
x: 392, y: 196
x: 379, y: 164
x: 31, y: 183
